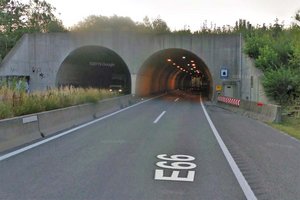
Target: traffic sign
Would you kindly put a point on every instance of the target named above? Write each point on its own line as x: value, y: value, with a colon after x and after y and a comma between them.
x: 224, y: 73
x: 218, y: 87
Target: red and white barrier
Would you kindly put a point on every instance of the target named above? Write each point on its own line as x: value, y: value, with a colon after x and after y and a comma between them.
x: 229, y: 100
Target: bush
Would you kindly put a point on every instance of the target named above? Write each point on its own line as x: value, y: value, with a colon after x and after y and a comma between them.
x: 267, y: 59
x: 280, y: 84
x: 254, y: 42
x: 5, y: 111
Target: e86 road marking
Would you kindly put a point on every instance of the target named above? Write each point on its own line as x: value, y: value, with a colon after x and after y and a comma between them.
x: 176, y: 163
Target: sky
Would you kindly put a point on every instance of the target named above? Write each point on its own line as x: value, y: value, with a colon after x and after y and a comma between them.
x: 180, y: 14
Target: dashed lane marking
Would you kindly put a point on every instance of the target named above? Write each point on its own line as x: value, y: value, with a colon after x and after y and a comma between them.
x: 159, y: 117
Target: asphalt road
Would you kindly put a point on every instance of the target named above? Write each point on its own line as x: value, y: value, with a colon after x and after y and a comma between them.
x: 269, y: 159
x: 126, y: 156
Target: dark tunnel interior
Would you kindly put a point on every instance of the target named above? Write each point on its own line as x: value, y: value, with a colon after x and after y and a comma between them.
x: 94, y: 67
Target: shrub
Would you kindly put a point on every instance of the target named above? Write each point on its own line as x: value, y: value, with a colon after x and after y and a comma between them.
x: 254, y: 42
x: 267, y: 59
x: 5, y: 111
x: 24, y: 104
x: 279, y: 84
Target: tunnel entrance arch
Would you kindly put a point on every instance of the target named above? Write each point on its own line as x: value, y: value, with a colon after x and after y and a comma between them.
x: 172, y: 69
x: 94, y: 67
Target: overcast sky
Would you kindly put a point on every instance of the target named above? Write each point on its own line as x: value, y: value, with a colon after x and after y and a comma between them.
x: 178, y: 13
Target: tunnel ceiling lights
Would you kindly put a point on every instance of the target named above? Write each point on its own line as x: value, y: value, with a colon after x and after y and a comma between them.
x: 189, y: 67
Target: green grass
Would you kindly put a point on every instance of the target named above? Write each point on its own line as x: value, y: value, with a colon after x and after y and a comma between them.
x: 289, y: 125
x: 14, y: 103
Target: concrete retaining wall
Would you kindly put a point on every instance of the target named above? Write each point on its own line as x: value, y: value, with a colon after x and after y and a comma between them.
x: 256, y: 110
x: 21, y: 130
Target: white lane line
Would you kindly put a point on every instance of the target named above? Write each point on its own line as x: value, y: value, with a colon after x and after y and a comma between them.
x: 16, y: 152
x: 176, y: 100
x: 159, y: 117
x: 237, y: 172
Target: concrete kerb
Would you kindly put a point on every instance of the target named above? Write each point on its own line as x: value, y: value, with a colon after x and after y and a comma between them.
x: 18, y: 131
x: 264, y: 112
x: 21, y: 130
x: 54, y: 121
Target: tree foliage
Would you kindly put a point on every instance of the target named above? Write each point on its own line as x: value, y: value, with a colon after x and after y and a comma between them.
x: 95, y: 23
x: 276, y: 51
x: 281, y: 84
x: 17, y: 18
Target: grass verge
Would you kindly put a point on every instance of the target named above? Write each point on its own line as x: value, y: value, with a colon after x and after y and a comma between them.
x: 14, y: 103
x: 289, y: 125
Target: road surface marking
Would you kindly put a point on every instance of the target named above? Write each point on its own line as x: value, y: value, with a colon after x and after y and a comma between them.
x: 19, y: 151
x: 159, y: 175
x: 237, y: 172
x: 159, y: 117
x: 176, y: 100
x: 177, y: 162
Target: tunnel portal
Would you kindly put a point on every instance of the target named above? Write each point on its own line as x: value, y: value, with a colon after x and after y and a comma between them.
x: 173, y: 69
x: 94, y: 67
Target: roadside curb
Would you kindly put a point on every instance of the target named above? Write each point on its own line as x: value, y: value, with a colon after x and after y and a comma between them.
x: 26, y: 129
x: 255, y: 110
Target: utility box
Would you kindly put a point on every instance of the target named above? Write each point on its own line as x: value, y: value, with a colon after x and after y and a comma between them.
x: 229, y: 90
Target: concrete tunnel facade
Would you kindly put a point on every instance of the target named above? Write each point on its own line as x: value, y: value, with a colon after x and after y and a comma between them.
x: 145, y: 57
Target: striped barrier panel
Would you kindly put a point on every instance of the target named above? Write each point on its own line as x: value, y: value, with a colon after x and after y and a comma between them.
x: 229, y: 100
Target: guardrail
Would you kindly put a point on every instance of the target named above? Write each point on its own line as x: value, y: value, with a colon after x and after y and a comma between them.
x: 25, y: 129
x: 256, y: 110
x: 229, y: 100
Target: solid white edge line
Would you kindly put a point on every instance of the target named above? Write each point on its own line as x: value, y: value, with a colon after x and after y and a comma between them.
x: 237, y: 172
x: 16, y: 152
x: 159, y: 117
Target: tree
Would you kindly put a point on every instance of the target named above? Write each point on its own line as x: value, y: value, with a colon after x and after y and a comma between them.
x: 160, y: 26
x: 12, y: 22
x: 294, y: 61
x: 147, y: 22
x: 17, y: 18
x: 100, y: 23
x: 256, y: 40
x: 267, y: 59
x: 297, y: 17
x: 40, y: 16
